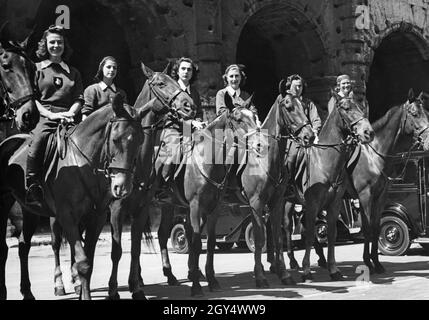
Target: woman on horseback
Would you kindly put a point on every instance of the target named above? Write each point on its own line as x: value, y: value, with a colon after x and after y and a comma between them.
x: 59, y: 98
x: 344, y: 89
x: 234, y: 78
x: 101, y: 93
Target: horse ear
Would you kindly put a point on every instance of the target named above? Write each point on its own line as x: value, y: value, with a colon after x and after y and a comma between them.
x: 24, y: 43
x: 148, y: 72
x: 335, y: 94
x: 420, y: 97
x: 411, y: 96
x: 249, y: 100
x: 118, y: 105
x: 228, y: 101
x: 351, y: 95
x: 169, y: 68
x: 282, y: 87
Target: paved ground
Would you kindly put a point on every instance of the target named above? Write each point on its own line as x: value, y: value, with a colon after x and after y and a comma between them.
x: 407, y: 277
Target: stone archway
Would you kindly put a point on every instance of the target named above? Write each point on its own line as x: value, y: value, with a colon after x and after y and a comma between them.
x: 279, y: 40
x: 401, y: 62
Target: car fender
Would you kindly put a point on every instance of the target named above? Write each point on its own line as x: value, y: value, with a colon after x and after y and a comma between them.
x: 396, y: 209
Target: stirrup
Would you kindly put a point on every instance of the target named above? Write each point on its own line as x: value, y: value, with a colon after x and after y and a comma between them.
x: 35, y: 195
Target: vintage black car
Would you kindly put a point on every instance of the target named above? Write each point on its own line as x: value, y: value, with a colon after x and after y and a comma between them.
x: 234, y: 226
x: 404, y: 218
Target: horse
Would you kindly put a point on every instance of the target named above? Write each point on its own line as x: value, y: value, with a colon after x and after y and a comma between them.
x: 16, y: 85
x: 167, y: 90
x: 400, y: 129
x: 344, y: 128
x: 97, y: 167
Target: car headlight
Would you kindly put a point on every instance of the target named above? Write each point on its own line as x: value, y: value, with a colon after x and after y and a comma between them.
x: 298, y: 208
x: 356, y: 203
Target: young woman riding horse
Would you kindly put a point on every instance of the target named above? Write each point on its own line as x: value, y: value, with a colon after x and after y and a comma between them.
x: 371, y: 175
x: 169, y: 93
x: 343, y: 128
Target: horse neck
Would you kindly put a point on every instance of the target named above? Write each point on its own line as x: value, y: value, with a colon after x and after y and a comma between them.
x: 331, y: 132
x: 386, y: 130
x: 89, y: 135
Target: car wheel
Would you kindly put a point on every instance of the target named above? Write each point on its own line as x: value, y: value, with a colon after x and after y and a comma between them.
x: 394, y: 237
x: 224, y: 246
x: 178, y: 239
x: 250, y: 239
x: 321, y: 232
x: 241, y: 244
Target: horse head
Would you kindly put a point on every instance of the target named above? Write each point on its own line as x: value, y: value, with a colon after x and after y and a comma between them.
x: 293, y: 118
x: 415, y: 119
x: 353, y: 118
x: 168, y: 91
x: 125, y: 135
x: 16, y: 85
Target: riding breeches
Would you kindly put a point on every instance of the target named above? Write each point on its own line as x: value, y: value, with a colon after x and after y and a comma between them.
x: 36, y: 150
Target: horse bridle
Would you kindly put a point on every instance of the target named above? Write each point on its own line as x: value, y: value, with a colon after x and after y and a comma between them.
x: 349, y: 124
x: 293, y: 134
x: 12, y: 106
x: 417, y: 132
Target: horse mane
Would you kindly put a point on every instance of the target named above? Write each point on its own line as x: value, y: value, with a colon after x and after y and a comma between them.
x: 380, y: 123
x: 216, y: 121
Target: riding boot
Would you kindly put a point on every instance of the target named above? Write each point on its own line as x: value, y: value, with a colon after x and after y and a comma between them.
x: 34, y: 195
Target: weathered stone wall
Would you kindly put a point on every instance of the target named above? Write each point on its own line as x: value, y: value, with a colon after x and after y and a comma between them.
x: 320, y: 39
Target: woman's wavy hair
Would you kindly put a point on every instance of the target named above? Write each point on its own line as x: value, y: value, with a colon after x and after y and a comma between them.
x: 240, y: 68
x: 42, y: 51
x: 175, y: 69
x: 99, y: 75
x: 296, y: 77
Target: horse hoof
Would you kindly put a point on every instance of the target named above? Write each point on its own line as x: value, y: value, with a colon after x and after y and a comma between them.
x: 337, y: 276
x: 138, y: 295
x: 29, y: 296
x: 214, y: 286
x: 322, y: 263
x: 172, y: 281
x: 59, y: 291
x: 78, y: 289
x: 379, y: 269
x: 262, y: 283
x: 307, y: 277
x: 197, y: 291
x: 288, y: 281
x: 114, y: 296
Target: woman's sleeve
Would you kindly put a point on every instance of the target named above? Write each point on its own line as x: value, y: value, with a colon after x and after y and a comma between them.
x: 90, y: 100
x: 197, y: 101
x: 78, y: 88
x: 220, y: 103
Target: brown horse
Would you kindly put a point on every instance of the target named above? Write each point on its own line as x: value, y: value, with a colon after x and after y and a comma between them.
x: 370, y: 177
x: 166, y: 90
x: 107, y: 142
x: 16, y: 85
x: 344, y: 127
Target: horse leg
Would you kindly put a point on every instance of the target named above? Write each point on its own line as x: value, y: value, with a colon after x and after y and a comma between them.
x: 5, y: 206
x: 167, y: 211
x: 56, y: 238
x: 276, y: 224
x: 77, y: 285
x: 332, y: 217
x: 288, y: 225
x: 30, y: 222
x: 116, y: 220
x: 313, y: 198
x: 258, y: 233
x: 194, y: 238
x: 270, y: 247
x: 211, y: 243
x: 375, y: 228
x: 135, y: 283
x: 319, y: 251
x: 365, y: 200
x: 93, y: 230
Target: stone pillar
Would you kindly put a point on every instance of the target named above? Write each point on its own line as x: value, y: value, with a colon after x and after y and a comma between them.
x: 208, y: 43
